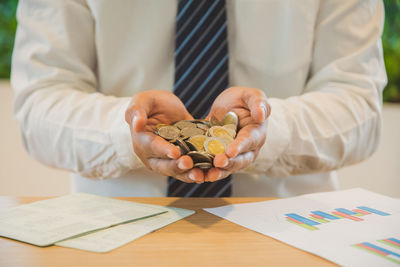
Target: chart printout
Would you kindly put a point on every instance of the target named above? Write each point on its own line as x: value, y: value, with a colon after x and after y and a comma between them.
x: 352, y: 227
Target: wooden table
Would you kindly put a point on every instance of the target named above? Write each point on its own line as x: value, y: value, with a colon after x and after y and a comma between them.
x: 198, y: 240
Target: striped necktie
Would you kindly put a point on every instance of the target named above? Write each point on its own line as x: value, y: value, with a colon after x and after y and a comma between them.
x: 201, y: 74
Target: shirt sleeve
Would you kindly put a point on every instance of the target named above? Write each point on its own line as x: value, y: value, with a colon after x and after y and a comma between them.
x: 65, y: 121
x: 336, y: 121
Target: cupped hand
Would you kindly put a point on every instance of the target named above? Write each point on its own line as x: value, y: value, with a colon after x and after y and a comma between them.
x: 251, y: 106
x: 148, y: 109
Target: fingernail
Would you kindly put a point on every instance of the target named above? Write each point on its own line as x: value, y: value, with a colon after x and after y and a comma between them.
x: 172, y: 157
x: 191, y: 176
x: 181, y: 166
x: 134, y: 121
x: 264, y: 109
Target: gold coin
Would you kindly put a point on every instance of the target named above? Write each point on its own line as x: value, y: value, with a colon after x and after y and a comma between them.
x: 168, y: 132
x: 214, y: 146
x: 230, y: 118
x: 226, y: 139
x: 198, y: 141
x: 231, y: 132
x: 218, y: 131
x: 230, y: 126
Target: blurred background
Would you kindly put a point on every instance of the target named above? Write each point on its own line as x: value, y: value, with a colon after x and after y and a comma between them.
x: 22, y: 176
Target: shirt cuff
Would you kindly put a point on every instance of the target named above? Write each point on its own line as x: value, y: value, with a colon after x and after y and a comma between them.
x: 278, y: 137
x: 122, y: 140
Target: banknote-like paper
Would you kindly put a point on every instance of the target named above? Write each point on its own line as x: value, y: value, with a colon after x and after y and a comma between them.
x: 46, y: 222
x: 114, y: 237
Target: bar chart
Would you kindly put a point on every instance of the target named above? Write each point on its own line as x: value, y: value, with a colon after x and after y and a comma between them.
x: 388, y: 248
x: 320, y: 217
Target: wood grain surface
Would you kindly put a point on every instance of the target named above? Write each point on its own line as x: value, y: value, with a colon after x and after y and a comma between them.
x: 201, y: 239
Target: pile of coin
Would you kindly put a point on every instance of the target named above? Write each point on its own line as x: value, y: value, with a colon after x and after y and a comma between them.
x: 201, y: 139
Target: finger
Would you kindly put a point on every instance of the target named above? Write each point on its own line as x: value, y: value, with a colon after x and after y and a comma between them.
x: 161, y: 148
x: 169, y: 168
x: 221, y: 160
x: 185, y: 163
x: 240, y: 162
x: 215, y: 174
x: 197, y: 175
x: 249, y: 138
x: 155, y: 146
x: 258, y: 105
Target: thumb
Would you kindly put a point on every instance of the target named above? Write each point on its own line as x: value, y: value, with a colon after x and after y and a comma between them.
x: 136, y: 117
x: 259, y: 108
x: 139, y: 120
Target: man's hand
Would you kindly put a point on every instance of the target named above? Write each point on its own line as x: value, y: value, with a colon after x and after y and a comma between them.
x: 145, y: 111
x: 252, y: 108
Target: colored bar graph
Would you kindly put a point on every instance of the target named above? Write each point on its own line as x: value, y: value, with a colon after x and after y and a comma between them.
x: 372, y: 249
x: 374, y: 211
x: 346, y: 211
x: 306, y: 226
x: 390, y: 242
x: 362, y: 211
x: 302, y: 219
x: 395, y: 240
x: 325, y: 215
x: 318, y: 218
x: 379, y: 251
x: 344, y: 215
x: 294, y: 220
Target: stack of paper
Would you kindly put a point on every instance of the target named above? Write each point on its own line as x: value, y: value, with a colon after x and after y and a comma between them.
x: 47, y: 222
x: 351, y: 227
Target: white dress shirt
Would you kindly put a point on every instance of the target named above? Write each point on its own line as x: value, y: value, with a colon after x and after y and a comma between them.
x: 77, y: 63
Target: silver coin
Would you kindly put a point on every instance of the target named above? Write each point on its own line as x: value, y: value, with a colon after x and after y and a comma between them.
x: 190, y: 145
x: 189, y: 131
x: 184, y: 124
x: 198, y: 157
x: 168, y: 132
x: 182, y: 146
x: 214, y: 121
x: 203, y: 165
x: 202, y: 126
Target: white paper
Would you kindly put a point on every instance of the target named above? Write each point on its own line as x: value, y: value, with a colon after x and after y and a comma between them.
x: 333, y: 240
x: 45, y: 222
x: 117, y: 236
